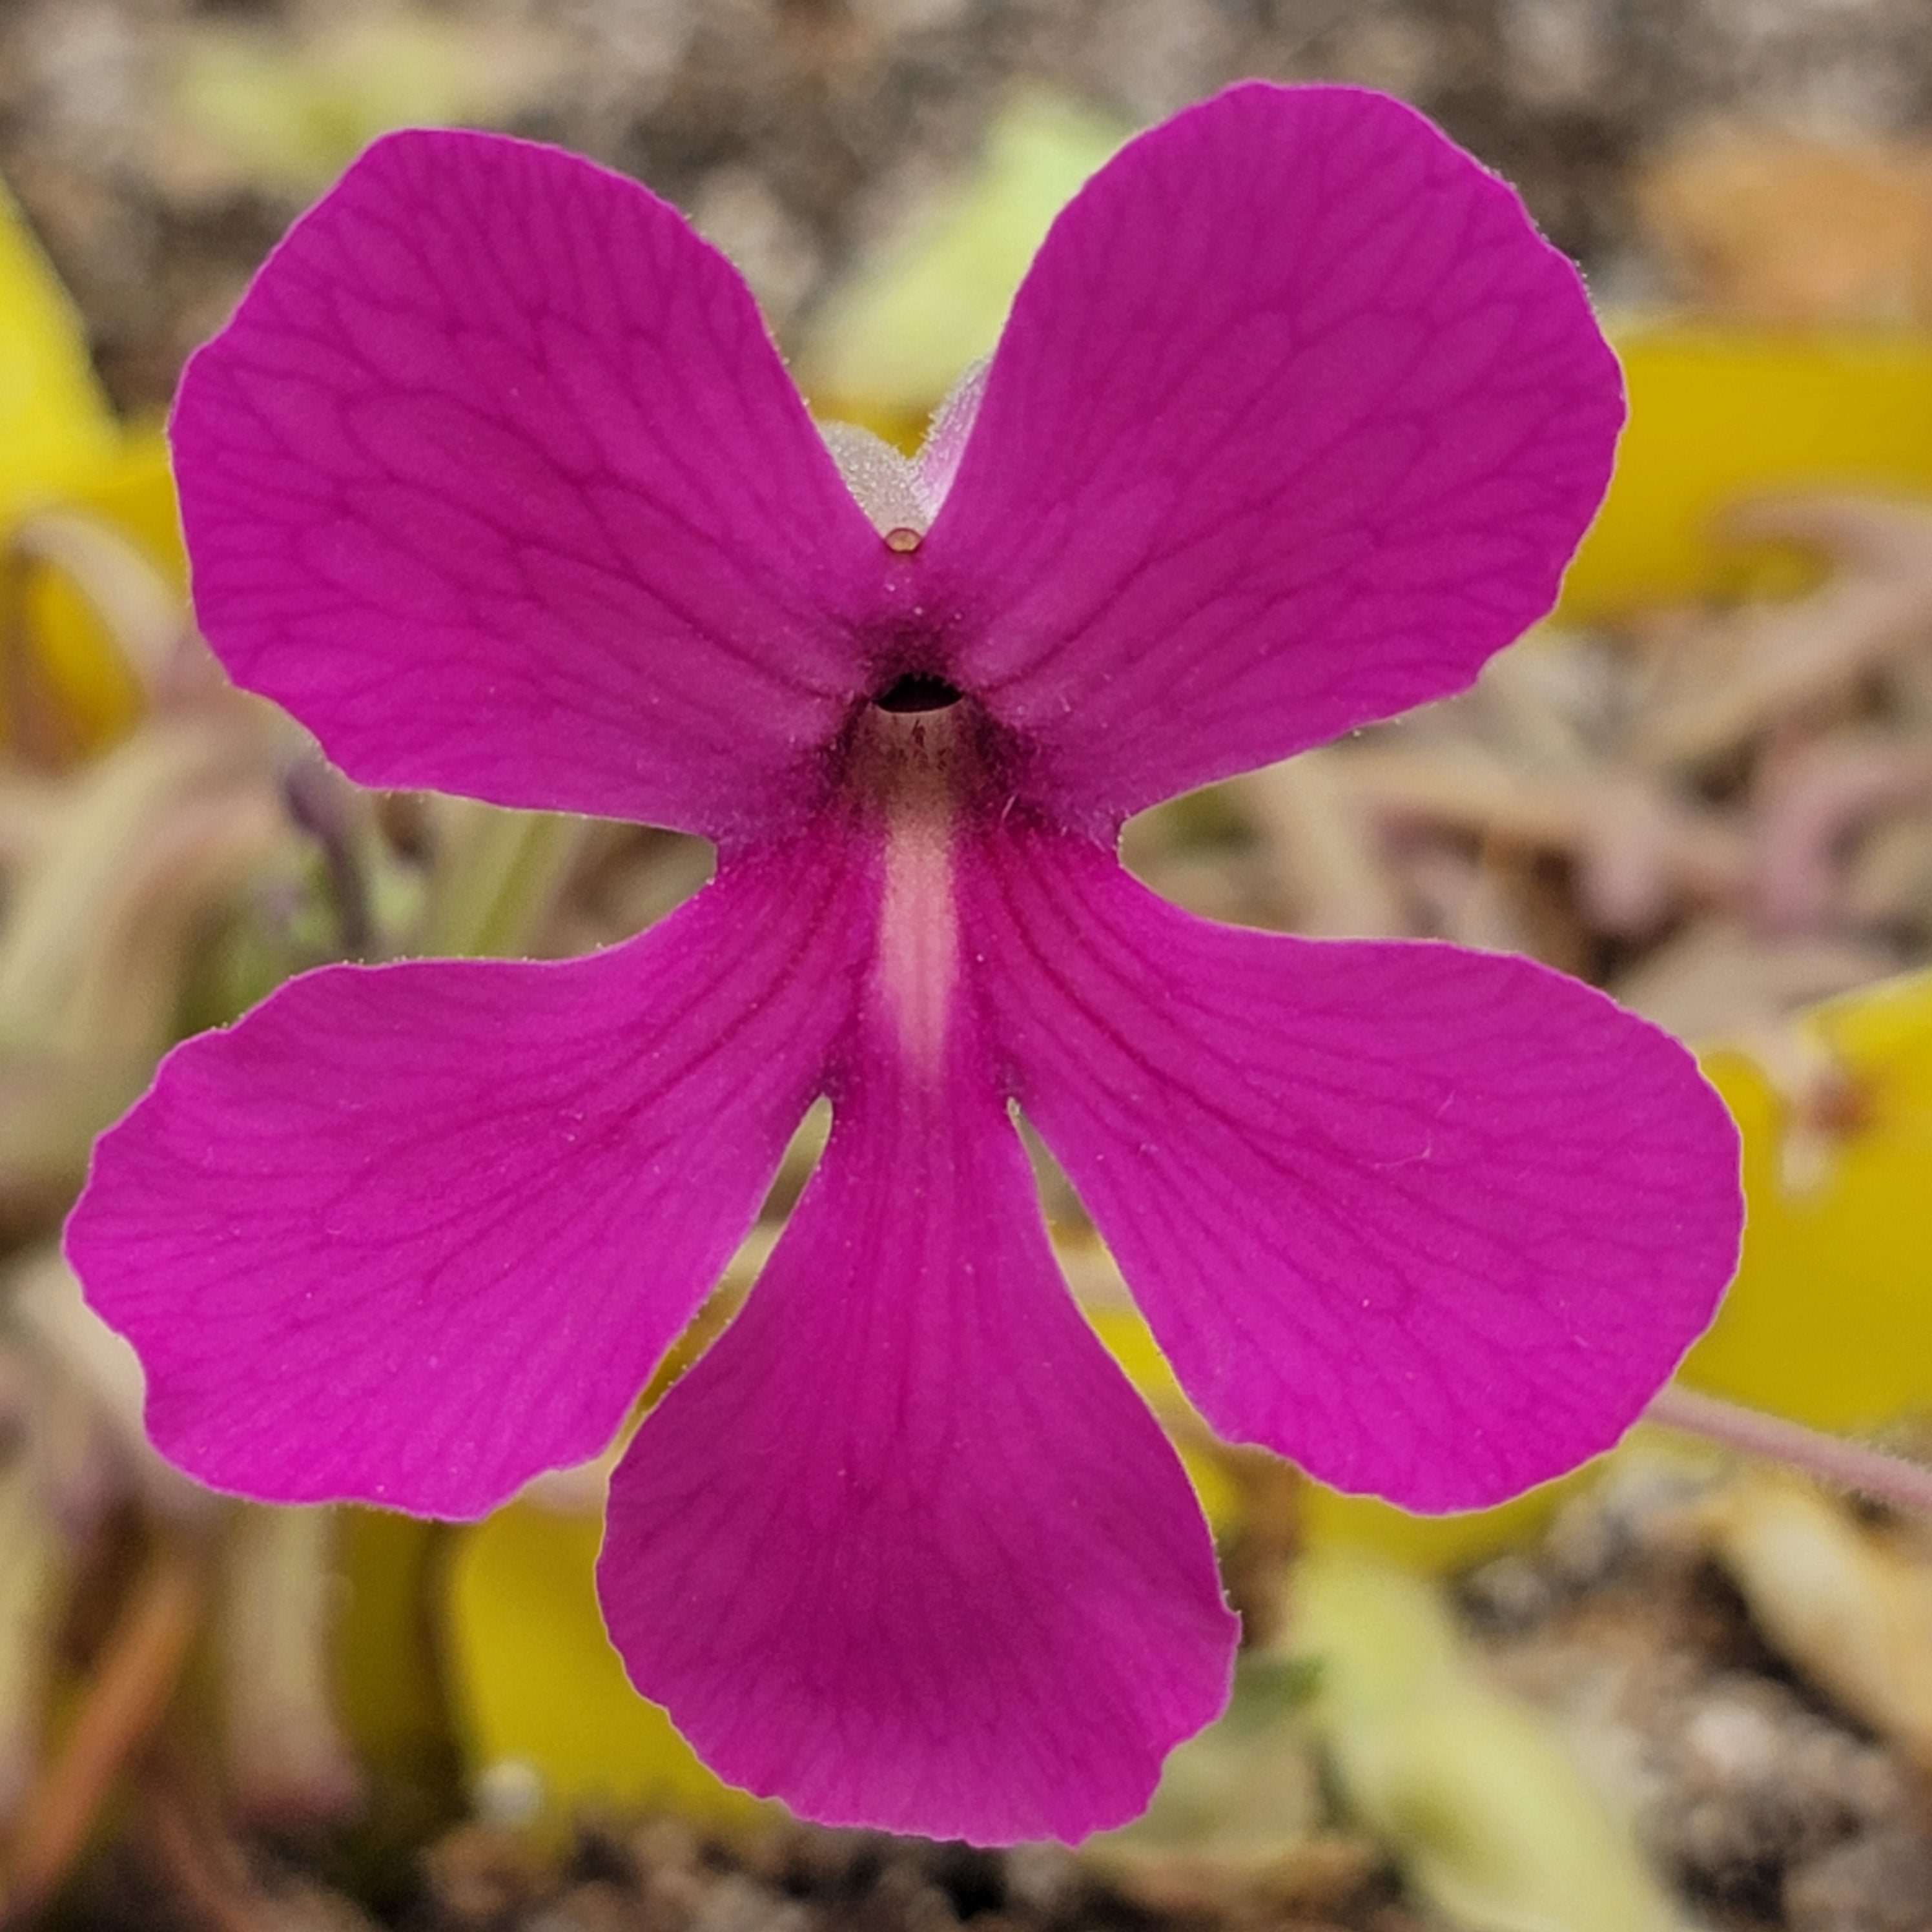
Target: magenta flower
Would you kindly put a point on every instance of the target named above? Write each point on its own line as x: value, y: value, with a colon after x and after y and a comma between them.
x: 496, y: 482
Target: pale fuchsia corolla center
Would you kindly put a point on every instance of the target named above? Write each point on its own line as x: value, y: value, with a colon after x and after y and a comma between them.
x: 496, y: 483
x: 917, y: 970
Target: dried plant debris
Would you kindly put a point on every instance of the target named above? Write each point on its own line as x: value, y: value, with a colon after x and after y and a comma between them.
x: 1722, y: 816
x: 1672, y: 1711
x: 1721, y: 813
x: 161, y: 145
x: 1765, y: 225
x: 1717, y: 1646
x: 658, y: 1875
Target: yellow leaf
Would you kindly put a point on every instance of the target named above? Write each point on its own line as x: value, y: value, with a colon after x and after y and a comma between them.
x: 1439, y: 1542
x: 1830, y: 1320
x: 134, y: 490
x: 88, y: 676
x: 538, y: 1685
x: 60, y: 447
x: 1130, y: 1341
x: 1719, y: 416
x: 55, y: 422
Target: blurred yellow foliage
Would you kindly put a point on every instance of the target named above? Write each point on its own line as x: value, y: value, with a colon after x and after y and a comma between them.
x: 1721, y: 416
x: 1830, y: 1320
x: 538, y: 1685
x: 891, y: 343
x: 261, y: 109
x: 55, y: 426
x: 1470, y: 1789
x: 62, y: 448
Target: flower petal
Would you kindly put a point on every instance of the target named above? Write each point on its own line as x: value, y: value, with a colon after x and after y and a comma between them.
x: 1436, y: 1224
x: 495, y: 482
x: 411, y: 1233
x: 1296, y: 422
x: 904, y: 1549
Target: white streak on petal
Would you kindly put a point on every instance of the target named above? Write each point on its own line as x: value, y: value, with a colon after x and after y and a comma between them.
x: 918, y: 969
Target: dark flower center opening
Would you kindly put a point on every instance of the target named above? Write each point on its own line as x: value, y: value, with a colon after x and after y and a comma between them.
x: 917, y: 691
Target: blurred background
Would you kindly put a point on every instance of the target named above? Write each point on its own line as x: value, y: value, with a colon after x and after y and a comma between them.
x: 1678, y: 1690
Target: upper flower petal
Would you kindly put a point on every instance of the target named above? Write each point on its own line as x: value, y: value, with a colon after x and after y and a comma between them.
x: 1436, y: 1224
x: 904, y: 1547
x: 1295, y: 421
x: 496, y: 482
x: 411, y: 1233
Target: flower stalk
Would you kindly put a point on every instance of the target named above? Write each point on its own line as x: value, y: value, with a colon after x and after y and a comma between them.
x: 1856, y: 1466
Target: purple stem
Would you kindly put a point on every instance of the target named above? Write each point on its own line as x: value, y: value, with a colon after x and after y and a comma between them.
x: 1848, y: 1465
